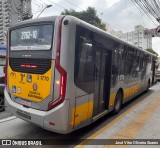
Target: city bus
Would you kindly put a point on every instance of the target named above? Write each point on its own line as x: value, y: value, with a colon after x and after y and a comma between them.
x: 63, y: 74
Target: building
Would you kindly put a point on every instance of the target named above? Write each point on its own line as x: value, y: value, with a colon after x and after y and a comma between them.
x: 138, y: 37
x: 110, y: 30
x: 141, y: 37
x: 25, y: 10
x: 12, y: 11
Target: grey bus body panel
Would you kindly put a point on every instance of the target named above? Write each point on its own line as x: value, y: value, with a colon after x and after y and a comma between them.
x: 58, y: 115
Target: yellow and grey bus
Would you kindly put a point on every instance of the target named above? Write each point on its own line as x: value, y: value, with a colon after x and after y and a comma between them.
x: 63, y: 73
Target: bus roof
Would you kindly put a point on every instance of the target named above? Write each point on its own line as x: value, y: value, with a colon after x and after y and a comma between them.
x: 35, y: 20
x: 83, y: 23
x: 100, y: 31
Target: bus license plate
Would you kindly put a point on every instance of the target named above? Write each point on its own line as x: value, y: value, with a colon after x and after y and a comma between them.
x: 24, y: 102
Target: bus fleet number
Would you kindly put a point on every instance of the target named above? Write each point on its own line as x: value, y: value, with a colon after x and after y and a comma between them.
x: 43, y: 78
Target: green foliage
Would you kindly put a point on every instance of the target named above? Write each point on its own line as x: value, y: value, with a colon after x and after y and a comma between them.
x: 90, y: 16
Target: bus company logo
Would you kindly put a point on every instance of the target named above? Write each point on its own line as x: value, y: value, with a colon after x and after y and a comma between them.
x: 22, y: 76
x: 6, y: 142
x: 13, y: 75
x: 35, y: 87
x: 29, y: 78
x: 13, y: 89
x: 19, y: 90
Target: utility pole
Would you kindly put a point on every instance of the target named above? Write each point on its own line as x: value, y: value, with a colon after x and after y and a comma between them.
x: 47, y: 6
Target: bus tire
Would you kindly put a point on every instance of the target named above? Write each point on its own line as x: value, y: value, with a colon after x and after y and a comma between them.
x: 118, y: 102
x: 2, y: 108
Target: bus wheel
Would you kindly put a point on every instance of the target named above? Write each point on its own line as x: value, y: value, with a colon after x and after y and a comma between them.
x: 118, y: 102
x: 1, y: 103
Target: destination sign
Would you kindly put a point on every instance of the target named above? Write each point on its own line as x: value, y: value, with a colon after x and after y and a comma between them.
x: 27, y: 35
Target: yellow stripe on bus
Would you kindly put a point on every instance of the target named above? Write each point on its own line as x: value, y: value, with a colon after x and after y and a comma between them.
x: 128, y: 92
x: 131, y: 91
x: 82, y: 112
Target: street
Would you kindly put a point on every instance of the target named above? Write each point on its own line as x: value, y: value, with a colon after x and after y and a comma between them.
x: 4, y: 115
x: 79, y: 68
x: 137, y: 119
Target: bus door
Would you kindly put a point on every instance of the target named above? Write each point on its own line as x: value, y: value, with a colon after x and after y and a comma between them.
x: 102, y: 80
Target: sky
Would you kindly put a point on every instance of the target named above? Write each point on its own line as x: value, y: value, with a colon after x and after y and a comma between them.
x: 122, y: 15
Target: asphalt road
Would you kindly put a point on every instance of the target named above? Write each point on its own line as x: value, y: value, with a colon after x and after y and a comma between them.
x: 4, y: 115
x: 19, y: 129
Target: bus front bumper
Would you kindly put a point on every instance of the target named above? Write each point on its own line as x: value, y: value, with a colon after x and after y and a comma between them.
x: 54, y: 120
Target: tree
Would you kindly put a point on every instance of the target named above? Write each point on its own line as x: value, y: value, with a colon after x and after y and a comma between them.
x: 152, y: 51
x: 90, y: 16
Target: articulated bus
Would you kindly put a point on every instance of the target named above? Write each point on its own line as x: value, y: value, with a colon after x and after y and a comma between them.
x: 63, y: 74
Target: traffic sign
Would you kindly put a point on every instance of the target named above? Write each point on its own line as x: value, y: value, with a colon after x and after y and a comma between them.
x: 150, y: 33
x: 158, y: 31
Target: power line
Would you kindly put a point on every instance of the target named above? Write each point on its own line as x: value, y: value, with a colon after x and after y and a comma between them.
x: 35, y: 3
x: 74, y: 4
x: 44, y: 4
x: 142, y: 19
x: 15, y: 12
x: 145, y: 14
x: 56, y: 4
x: 108, y: 9
x: 151, y: 7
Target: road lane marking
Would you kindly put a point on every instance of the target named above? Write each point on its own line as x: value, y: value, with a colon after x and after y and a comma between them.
x: 110, y: 124
x: 7, y: 119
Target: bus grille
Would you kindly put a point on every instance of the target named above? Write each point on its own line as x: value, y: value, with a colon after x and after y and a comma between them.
x: 42, y: 65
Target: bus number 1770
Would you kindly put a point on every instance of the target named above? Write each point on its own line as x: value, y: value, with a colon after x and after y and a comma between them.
x: 43, y: 78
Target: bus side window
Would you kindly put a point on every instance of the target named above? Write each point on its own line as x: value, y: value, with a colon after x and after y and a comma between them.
x: 135, y: 69
x: 84, y: 60
x: 124, y: 61
x: 148, y: 63
x: 141, y: 61
x: 117, y: 58
x: 129, y: 63
x: 142, y: 65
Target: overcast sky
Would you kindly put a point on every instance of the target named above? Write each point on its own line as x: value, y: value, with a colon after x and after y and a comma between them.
x: 120, y: 14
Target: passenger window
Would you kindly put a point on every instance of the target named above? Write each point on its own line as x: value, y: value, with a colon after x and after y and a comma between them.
x: 118, y: 57
x: 84, y: 60
x: 130, y: 58
x: 142, y: 61
x: 135, y: 68
x: 124, y: 61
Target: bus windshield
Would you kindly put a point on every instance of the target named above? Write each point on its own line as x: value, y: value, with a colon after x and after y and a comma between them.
x: 37, y: 37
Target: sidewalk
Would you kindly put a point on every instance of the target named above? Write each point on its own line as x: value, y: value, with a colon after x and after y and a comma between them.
x: 141, y: 121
